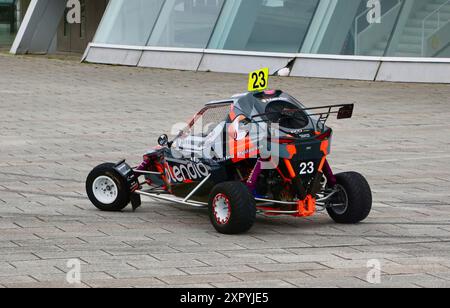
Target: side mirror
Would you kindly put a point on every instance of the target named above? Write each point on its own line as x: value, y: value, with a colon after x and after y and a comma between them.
x: 163, y: 140
x: 346, y: 112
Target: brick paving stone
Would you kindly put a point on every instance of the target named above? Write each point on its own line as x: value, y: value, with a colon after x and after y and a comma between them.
x: 195, y: 279
x: 420, y: 280
x: 255, y: 284
x: 126, y: 283
x: 219, y: 269
x: 62, y: 118
x: 154, y: 272
x: 287, y: 267
x: 188, y: 286
x: 263, y: 276
x: 45, y: 284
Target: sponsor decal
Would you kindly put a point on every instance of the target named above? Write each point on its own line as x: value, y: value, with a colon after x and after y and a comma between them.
x: 186, y: 171
x: 296, y: 131
x: 304, y: 136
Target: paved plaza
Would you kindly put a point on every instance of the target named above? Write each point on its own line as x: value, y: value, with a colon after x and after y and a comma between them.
x: 60, y: 118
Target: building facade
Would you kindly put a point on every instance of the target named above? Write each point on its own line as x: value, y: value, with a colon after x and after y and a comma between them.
x: 11, y: 15
x: 397, y: 40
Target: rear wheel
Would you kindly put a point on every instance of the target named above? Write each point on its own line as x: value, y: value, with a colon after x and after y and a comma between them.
x: 106, y: 189
x: 353, y: 201
x: 232, y: 208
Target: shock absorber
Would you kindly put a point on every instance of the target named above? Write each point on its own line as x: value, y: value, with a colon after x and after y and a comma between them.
x: 252, y: 182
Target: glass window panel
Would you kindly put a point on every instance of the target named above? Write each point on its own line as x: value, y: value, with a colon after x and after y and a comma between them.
x: 353, y: 28
x: 263, y: 25
x: 186, y: 23
x: 372, y: 39
x: 10, y: 18
x: 342, y: 27
x: 423, y: 30
x: 128, y: 22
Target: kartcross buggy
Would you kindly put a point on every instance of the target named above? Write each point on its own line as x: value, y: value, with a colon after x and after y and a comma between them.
x: 219, y: 162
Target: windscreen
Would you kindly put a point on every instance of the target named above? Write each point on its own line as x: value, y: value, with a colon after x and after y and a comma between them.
x: 206, y: 127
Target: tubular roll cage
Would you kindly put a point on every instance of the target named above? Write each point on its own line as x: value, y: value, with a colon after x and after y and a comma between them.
x: 345, y: 111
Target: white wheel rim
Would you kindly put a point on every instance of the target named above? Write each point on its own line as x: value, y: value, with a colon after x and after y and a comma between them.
x: 105, y: 190
x: 222, y: 209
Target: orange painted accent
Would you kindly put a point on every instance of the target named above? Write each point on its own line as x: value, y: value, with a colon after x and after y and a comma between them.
x: 292, y: 150
x: 240, y: 149
x: 232, y: 151
x: 232, y: 113
x: 324, y: 146
x: 290, y: 168
x: 322, y: 163
x: 196, y: 116
x: 306, y: 207
x: 159, y: 168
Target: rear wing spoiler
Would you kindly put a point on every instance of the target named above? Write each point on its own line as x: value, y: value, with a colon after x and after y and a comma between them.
x: 343, y: 111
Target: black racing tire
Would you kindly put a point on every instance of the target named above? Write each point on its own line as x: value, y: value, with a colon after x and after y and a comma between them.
x: 358, y: 196
x: 115, y: 203
x: 236, y: 204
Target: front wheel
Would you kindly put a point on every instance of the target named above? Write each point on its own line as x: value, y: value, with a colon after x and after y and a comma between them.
x: 232, y: 208
x: 353, y: 200
x: 106, y: 189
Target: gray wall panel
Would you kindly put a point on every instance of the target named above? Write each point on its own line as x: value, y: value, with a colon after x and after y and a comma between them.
x: 381, y: 69
x: 334, y: 68
x: 39, y: 27
x: 171, y: 60
x: 241, y: 63
x: 113, y: 56
x: 414, y: 72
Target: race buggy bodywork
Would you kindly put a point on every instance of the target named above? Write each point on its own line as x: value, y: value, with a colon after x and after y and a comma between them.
x: 258, y: 152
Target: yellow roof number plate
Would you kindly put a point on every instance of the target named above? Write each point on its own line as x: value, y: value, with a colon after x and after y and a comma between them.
x: 258, y: 80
